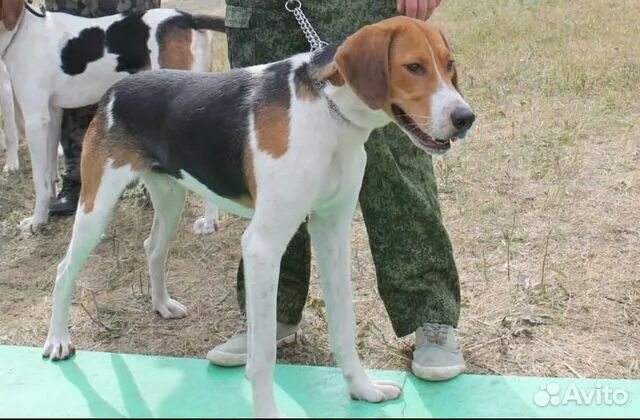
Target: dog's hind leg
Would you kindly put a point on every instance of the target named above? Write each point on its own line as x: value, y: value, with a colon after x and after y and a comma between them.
x: 101, y: 188
x: 168, y: 199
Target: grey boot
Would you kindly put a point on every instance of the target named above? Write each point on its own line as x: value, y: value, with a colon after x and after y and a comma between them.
x: 234, y: 351
x: 437, y: 356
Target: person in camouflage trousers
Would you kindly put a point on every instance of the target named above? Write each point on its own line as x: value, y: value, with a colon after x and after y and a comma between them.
x: 413, y: 257
x: 76, y: 121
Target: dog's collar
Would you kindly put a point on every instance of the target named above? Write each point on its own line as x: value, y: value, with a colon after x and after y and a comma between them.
x: 43, y: 10
x: 333, y: 107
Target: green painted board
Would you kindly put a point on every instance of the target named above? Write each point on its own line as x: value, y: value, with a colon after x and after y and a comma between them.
x: 95, y: 384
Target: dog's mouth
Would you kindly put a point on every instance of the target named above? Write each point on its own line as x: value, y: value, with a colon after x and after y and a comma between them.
x: 417, y: 135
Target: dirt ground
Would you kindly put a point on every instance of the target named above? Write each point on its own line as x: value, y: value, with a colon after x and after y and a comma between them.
x: 541, y: 205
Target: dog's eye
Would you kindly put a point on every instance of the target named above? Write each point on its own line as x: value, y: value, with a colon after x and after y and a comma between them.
x: 415, y: 68
x: 450, y: 65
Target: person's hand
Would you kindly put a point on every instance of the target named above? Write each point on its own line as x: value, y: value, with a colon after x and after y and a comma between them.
x: 419, y: 9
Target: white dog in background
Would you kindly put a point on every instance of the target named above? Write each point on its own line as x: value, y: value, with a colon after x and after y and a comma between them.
x: 57, y: 61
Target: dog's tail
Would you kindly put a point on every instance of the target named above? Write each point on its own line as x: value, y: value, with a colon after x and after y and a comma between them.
x: 208, y: 23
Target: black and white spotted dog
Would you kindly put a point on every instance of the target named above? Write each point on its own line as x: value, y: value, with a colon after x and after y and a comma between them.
x: 56, y: 61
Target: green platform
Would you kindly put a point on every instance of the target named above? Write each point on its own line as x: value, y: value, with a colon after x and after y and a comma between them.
x: 124, y: 385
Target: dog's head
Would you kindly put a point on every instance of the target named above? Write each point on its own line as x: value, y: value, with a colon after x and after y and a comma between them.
x: 405, y: 68
x: 10, y: 13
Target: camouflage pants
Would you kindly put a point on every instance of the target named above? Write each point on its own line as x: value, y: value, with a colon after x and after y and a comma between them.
x: 76, y: 121
x: 413, y: 257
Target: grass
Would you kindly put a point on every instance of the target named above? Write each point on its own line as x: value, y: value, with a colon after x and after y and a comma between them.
x: 541, y: 205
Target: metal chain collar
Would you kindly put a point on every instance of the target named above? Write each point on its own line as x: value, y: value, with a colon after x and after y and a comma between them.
x: 317, y: 44
x: 295, y: 7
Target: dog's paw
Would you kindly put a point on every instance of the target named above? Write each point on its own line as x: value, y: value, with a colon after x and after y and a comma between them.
x: 28, y: 225
x: 375, y: 391
x: 34, y: 223
x: 204, y: 226
x: 58, y: 348
x: 170, y: 309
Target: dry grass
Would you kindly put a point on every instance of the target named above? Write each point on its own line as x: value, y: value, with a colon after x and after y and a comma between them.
x: 541, y: 205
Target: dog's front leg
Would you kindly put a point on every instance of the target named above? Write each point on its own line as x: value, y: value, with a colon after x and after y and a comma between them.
x: 330, y: 239
x: 330, y: 231
x: 263, y: 244
x: 37, y: 127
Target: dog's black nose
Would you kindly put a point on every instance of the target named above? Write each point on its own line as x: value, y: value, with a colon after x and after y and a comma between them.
x: 462, y: 118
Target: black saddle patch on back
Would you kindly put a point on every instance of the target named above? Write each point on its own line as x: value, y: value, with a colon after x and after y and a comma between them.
x: 128, y: 39
x: 182, y: 120
x: 88, y: 46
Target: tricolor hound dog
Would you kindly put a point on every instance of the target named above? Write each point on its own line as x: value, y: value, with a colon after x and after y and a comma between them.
x: 276, y: 143
x: 56, y: 61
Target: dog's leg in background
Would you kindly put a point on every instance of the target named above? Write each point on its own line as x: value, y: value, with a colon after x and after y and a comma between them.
x: 263, y: 244
x: 53, y: 140
x: 87, y: 232
x: 168, y: 199
x: 330, y: 235
x: 210, y: 222
x: 202, y: 50
x: 9, y: 117
x: 37, y: 127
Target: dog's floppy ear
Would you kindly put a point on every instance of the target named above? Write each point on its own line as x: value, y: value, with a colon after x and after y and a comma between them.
x: 363, y: 62
x: 10, y: 12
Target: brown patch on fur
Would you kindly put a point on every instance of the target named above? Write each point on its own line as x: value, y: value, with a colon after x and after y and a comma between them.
x: 98, y: 147
x: 10, y: 13
x: 175, y: 49
x: 272, y: 128
x: 92, y: 163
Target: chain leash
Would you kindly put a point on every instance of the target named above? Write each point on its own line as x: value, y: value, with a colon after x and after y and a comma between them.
x: 295, y: 7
